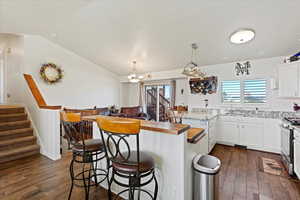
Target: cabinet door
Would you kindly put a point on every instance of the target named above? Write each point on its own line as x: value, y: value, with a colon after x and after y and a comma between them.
x: 212, y: 132
x: 251, y: 135
x: 297, y: 157
x: 272, y: 138
x: 228, y: 132
x: 288, y: 80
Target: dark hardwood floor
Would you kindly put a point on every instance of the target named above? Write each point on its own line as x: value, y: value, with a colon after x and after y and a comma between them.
x: 241, y: 178
x: 39, y: 178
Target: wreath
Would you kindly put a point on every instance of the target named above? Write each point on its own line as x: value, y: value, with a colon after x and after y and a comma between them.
x: 51, y: 73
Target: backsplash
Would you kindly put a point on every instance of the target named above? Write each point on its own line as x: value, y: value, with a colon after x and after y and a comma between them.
x: 248, y: 113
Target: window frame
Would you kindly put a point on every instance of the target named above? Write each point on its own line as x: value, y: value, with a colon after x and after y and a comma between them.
x: 242, y: 87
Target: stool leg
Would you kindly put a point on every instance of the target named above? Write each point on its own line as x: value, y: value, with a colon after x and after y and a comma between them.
x: 109, y: 185
x: 95, y: 170
x: 84, y: 183
x: 156, y: 187
x: 72, y: 177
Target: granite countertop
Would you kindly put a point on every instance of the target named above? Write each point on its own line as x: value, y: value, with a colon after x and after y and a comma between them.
x: 199, y: 116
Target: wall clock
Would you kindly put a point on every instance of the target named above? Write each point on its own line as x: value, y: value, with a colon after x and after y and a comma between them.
x: 51, y: 73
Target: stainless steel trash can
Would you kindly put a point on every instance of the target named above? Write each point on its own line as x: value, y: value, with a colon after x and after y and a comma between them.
x: 205, y: 168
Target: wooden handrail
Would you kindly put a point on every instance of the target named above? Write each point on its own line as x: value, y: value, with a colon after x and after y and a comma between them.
x: 37, y: 94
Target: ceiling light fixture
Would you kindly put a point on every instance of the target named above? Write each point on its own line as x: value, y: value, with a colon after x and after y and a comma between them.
x: 242, y: 36
x: 192, y: 69
x: 133, y: 77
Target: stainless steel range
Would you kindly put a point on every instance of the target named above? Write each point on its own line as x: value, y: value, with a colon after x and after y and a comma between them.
x: 287, y: 144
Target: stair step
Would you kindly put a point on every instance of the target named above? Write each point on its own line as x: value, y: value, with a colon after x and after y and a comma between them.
x: 18, y: 153
x: 10, y: 134
x: 14, y: 125
x: 12, y: 117
x: 11, y: 109
x: 17, y: 142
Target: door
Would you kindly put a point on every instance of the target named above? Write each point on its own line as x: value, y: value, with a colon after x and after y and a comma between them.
x: 228, y: 132
x: 251, y: 135
x: 288, y: 80
x: 158, y: 100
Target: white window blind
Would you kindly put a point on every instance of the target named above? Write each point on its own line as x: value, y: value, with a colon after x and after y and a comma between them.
x: 231, y: 91
x: 255, y: 91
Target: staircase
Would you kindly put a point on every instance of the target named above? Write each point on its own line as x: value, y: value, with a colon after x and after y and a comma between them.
x: 164, y: 104
x: 16, y: 135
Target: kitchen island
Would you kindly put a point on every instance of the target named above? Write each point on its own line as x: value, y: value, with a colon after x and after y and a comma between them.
x: 173, y: 155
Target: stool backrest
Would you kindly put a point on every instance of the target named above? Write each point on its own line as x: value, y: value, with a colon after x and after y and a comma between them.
x: 118, y: 130
x: 73, y: 127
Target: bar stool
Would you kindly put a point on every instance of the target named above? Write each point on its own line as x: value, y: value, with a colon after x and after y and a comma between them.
x: 134, y: 167
x: 84, y: 152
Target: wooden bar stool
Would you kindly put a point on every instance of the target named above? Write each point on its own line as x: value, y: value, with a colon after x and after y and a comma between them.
x: 134, y: 167
x: 84, y: 152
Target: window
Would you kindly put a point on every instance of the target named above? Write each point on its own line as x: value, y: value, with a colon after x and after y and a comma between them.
x: 255, y: 91
x: 231, y: 91
x: 247, y: 91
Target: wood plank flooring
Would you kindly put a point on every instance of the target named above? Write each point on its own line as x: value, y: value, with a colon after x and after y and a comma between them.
x: 39, y: 178
x: 241, y: 179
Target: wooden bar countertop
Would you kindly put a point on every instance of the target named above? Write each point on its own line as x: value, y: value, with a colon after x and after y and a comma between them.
x: 163, y: 127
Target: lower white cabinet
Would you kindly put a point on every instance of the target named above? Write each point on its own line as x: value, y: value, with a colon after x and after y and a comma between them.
x: 297, y: 153
x: 272, y: 138
x: 251, y: 135
x: 228, y: 132
x: 255, y: 133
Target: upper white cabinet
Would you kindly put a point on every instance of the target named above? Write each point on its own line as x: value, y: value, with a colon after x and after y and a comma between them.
x: 288, y: 75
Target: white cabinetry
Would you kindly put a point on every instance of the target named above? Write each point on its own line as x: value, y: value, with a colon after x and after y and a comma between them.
x: 297, y: 153
x: 228, y: 132
x: 212, y: 129
x: 272, y: 138
x: 289, y: 80
x: 255, y: 133
x: 251, y: 135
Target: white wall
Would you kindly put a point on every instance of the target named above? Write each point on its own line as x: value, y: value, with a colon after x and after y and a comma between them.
x: 85, y: 84
x: 129, y: 94
x: 262, y: 68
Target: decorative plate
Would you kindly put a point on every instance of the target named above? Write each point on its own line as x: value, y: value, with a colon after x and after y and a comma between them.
x: 51, y: 73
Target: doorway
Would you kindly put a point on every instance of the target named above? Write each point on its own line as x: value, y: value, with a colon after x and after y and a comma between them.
x: 158, y: 100
x: 2, y: 78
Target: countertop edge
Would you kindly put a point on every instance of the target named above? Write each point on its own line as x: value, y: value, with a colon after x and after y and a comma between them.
x: 144, y: 126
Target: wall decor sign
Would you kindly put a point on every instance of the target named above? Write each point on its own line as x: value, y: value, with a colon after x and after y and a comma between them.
x: 208, y: 85
x: 51, y: 73
x: 242, y: 68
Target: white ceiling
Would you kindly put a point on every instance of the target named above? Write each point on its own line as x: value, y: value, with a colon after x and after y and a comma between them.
x: 157, y: 33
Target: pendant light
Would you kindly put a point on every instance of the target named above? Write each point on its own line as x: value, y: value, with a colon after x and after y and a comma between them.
x: 192, y: 69
x: 133, y: 77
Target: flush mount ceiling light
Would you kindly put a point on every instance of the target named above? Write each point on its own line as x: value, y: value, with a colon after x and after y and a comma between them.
x: 242, y: 36
x: 133, y: 77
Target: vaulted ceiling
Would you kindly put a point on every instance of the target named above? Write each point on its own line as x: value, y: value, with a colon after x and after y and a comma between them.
x: 157, y: 33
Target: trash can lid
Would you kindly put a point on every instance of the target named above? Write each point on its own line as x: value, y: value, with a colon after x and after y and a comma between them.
x: 206, y: 164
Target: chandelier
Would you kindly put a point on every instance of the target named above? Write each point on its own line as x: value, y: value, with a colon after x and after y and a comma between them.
x: 133, y: 77
x: 192, y: 69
